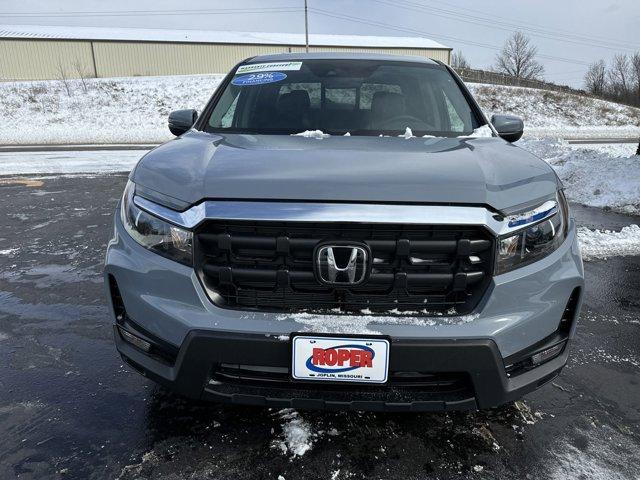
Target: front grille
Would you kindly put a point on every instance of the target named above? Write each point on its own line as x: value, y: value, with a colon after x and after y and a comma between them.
x: 417, y: 269
x: 280, y: 377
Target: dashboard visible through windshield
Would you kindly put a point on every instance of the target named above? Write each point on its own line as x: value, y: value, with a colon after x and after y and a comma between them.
x: 358, y: 97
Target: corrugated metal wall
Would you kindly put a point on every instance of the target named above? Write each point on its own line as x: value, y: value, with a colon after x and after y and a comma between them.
x: 38, y: 60
x: 442, y: 55
x: 41, y: 59
x: 120, y: 59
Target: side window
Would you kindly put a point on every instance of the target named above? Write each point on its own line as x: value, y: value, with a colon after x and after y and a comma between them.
x: 222, y: 115
x: 227, y: 118
x: 456, y: 122
x: 430, y: 110
x: 368, y: 90
x: 459, y: 114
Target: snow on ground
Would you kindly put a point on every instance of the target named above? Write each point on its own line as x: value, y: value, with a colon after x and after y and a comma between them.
x: 557, y: 114
x: 111, y: 110
x: 135, y: 110
x: 297, y: 434
x: 598, y: 176
x: 605, y: 243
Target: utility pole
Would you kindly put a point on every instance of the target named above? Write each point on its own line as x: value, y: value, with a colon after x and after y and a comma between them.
x: 306, y: 27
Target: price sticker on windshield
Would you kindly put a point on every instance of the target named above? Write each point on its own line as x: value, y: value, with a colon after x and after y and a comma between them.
x: 258, y: 78
x: 266, y: 67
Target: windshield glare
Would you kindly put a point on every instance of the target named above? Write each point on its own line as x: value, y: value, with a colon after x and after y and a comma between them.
x: 359, y: 97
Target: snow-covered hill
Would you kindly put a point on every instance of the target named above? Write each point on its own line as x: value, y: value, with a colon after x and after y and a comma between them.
x: 555, y: 114
x: 605, y: 176
x: 111, y: 110
x: 130, y: 110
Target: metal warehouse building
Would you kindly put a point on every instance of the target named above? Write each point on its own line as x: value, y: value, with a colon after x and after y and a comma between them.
x: 34, y: 52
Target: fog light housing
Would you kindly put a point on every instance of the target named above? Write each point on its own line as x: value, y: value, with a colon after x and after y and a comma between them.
x: 548, y: 354
x: 134, y: 340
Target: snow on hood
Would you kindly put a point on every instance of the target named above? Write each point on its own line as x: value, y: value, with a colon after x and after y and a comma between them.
x: 317, y: 134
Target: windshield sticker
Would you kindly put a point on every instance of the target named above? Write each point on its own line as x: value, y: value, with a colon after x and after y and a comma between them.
x: 265, y: 67
x: 258, y: 79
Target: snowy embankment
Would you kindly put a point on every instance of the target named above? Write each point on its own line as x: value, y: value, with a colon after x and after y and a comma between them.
x: 108, y: 110
x: 135, y: 110
x: 604, y: 176
x: 556, y: 114
x: 604, y: 244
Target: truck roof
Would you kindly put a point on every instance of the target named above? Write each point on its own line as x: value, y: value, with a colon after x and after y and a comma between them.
x: 340, y: 56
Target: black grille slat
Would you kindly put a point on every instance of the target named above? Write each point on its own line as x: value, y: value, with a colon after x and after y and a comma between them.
x: 258, y: 375
x: 261, y: 275
x: 269, y: 266
x: 416, y: 246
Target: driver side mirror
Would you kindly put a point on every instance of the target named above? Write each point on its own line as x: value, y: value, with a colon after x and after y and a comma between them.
x: 509, y: 127
x: 181, y: 121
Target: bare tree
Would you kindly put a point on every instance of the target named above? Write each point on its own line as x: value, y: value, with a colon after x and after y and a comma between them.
x: 518, y: 58
x: 595, y: 80
x: 458, y: 61
x: 62, y: 76
x: 79, y: 68
x: 620, y: 76
x: 635, y: 74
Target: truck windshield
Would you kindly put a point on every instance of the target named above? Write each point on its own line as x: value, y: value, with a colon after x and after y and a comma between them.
x: 359, y: 97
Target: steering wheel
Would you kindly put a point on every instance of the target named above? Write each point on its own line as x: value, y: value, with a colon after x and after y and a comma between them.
x: 399, y: 122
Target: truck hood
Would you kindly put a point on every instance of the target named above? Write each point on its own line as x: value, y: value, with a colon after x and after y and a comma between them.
x: 481, y: 171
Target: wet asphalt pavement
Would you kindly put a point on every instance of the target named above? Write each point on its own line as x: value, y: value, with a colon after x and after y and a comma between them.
x: 69, y: 408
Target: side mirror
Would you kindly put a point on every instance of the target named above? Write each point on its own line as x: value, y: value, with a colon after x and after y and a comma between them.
x: 508, y: 127
x: 181, y: 121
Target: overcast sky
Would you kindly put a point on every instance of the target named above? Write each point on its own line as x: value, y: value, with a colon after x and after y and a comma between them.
x: 569, y: 33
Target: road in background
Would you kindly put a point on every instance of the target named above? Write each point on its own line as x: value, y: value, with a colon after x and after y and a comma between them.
x: 73, y: 159
x: 601, y: 141
x: 69, y: 408
x: 68, y: 161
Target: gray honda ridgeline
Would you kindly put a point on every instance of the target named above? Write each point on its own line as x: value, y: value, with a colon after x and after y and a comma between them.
x: 344, y: 231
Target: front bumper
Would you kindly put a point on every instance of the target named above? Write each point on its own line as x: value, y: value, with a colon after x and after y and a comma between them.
x: 521, y: 308
x: 192, y: 375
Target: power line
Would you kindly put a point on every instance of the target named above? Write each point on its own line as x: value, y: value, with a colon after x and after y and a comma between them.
x: 509, y: 27
x: 493, y: 18
x: 134, y: 13
x: 427, y: 34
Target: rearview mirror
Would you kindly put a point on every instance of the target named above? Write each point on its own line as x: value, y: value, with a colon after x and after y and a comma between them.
x: 509, y: 127
x: 181, y: 121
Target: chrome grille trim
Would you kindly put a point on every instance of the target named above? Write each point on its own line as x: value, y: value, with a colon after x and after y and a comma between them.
x: 329, y: 212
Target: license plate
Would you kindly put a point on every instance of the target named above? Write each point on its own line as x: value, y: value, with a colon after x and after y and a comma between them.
x: 340, y: 359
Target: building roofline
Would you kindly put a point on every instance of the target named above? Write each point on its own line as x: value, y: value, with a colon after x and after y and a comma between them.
x: 56, y: 32
x: 302, y: 56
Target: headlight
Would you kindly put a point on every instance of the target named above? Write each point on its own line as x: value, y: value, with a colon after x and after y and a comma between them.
x: 153, y: 233
x: 544, y: 230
